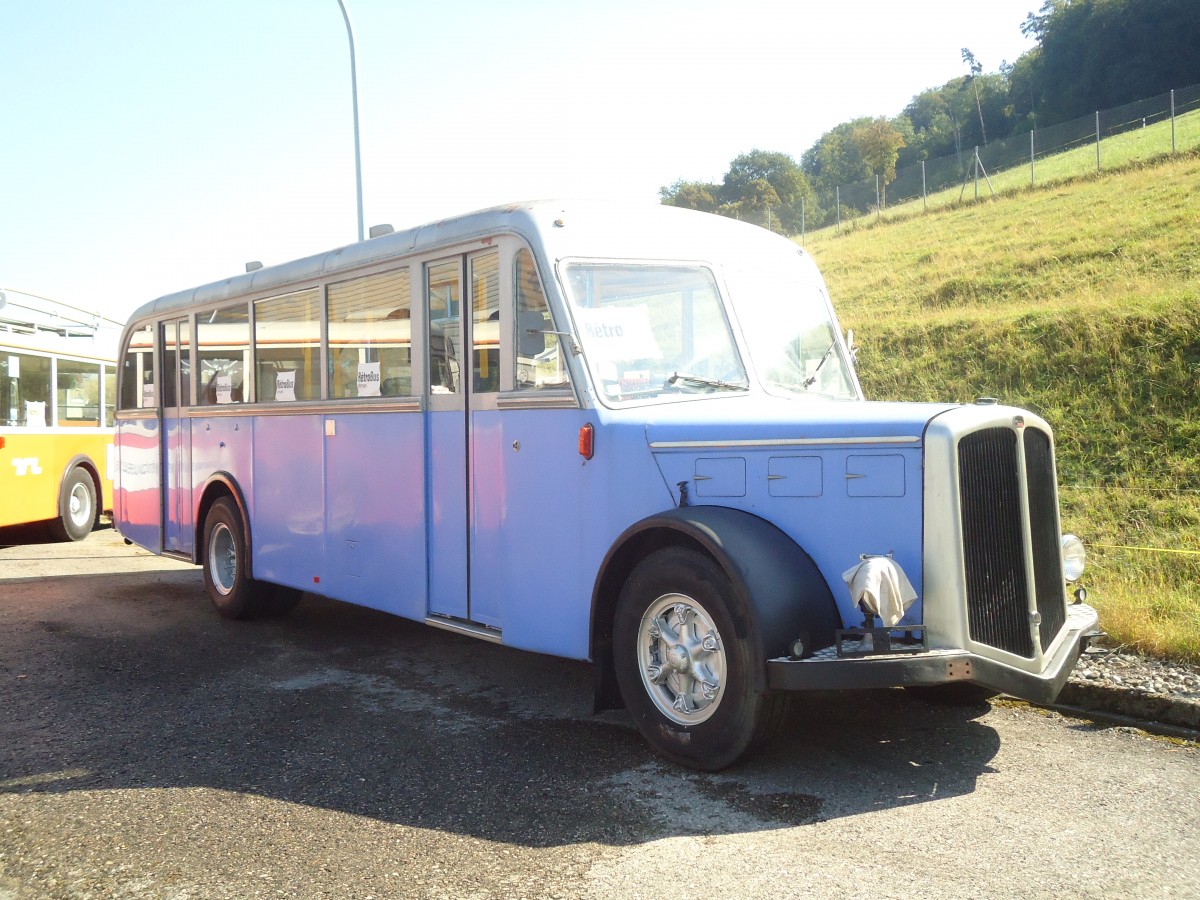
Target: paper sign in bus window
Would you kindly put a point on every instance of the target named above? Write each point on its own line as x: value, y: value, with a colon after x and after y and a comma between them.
x: 368, y: 379
x: 35, y: 413
x: 285, y: 385
x: 618, y: 334
x: 223, y: 385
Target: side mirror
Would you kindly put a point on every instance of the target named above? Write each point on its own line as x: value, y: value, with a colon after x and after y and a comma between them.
x: 531, y: 333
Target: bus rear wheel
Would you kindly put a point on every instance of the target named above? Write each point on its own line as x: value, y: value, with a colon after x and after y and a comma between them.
x: 691, y: 683
x: 76, y: 507
x: 226, y: 563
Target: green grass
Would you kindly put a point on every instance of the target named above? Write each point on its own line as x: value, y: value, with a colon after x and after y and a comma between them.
x: 1081, y: 302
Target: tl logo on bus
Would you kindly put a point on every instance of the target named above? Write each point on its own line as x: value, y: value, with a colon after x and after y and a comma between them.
x: 27, y: 465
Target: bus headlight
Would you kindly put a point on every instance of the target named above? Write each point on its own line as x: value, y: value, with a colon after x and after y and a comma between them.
x: 1073, y: 557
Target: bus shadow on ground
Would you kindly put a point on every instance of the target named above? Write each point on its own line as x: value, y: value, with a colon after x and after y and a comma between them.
x: 131, y: 681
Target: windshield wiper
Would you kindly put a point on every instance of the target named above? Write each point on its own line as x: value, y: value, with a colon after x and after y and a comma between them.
x: 702, y: 381
x: 811, y: 379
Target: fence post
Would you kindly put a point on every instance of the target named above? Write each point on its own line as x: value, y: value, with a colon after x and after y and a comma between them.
x: 878, y: 202
x: 1172, y: 121
x: 924, y: 198
x: 837, y: 193
x: 1032, y: 174
x: 1097, y: 142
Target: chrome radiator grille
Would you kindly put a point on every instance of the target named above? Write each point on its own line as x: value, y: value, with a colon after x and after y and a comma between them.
x: 996, y: 535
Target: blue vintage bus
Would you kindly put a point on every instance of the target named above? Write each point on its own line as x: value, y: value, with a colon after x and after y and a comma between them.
x: 632, y: 436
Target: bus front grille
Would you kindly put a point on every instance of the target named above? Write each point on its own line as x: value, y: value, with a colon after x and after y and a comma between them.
x: 996, y: 535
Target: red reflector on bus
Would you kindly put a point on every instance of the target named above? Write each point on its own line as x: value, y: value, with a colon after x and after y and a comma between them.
x: 587, y: 441
x: 1, y: 443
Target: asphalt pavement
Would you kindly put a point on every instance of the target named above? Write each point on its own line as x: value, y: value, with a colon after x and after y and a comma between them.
x: 149, y: 748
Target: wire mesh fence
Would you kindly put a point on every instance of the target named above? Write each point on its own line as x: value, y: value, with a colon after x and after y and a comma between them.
x: 1156, y: 126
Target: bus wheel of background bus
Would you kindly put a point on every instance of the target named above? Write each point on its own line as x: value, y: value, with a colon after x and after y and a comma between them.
x: 687, y: 679
x: 76, y: 507
x: 235, y: 595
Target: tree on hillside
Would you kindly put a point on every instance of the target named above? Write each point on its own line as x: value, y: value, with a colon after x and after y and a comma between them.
x: 879, y: 143
x: 976, y: 68
x: 762, y: 187
x: 777, y: 170
x: 691, y: 195
x: 1097, y: 54
x: 835, y: 158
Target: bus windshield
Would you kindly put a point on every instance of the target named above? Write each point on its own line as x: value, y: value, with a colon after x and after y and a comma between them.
x: 651, y: 330
x: 782, y: 308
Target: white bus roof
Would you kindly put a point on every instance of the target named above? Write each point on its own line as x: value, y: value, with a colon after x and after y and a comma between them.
x: 597, y: 229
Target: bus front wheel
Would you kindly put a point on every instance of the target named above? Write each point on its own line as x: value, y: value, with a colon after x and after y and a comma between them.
x: 76, y: 507
x: 686, y: 676
x: 226, y: 564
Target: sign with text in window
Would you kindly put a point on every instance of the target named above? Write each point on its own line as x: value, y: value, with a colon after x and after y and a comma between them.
x: 285, y: 385
x: 368, y: 379
x: 618, y: 333
x: 223, y: 385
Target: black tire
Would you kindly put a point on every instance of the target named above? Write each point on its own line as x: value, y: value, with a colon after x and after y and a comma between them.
x: 76, y: 507
x: 226, y: 564
x: 956, y: 693
x: 677, y: 713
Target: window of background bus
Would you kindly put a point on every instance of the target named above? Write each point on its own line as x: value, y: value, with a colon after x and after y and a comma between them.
x: 539, y: 363
x: 25, y: 390
x: 287, y: 347
x: 110, y: 396
x: 222, y: 344
x: 137, y: 376
x: 370, y: 350
x: 78, y: 393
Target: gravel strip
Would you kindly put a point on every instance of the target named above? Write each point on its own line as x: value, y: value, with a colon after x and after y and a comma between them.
x: 1119, y: 681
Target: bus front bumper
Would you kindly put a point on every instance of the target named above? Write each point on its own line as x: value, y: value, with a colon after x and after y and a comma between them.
x: 826, y: 672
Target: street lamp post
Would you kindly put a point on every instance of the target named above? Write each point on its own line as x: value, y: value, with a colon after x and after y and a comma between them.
x: 354, y: 96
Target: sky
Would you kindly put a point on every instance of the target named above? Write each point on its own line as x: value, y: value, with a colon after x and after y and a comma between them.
x: 150, y: 146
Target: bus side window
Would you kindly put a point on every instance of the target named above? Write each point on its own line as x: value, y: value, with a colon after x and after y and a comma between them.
x: 25, y: 382
x: 137, y: 379
x: 287, y: 347
x: 222, y: 339
x: 370, y: 346
x: 539, y: 357
x: 78, y: 393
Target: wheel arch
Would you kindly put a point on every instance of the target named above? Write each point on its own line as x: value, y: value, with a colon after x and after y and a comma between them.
x: 222, y: 484
x: 782, y: 592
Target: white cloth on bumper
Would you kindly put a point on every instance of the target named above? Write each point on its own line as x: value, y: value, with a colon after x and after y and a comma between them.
x: 882, y: 587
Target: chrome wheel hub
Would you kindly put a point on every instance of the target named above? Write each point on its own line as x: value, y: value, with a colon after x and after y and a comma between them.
x: 681, y: 659
x: 222, y: 559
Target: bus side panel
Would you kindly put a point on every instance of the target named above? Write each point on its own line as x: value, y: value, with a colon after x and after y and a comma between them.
x: 288, y: 522
x: 375, y: 511
x: 857, y: 501
x: 33, y: 465
x: 138, y: 504
x: 221, y: 444
x: 29, y: 478
x: 552, y: 519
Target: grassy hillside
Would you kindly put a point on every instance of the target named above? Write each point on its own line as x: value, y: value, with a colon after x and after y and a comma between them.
x: 1080, y: 301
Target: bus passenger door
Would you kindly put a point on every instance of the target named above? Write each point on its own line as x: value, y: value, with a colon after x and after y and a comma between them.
x: 176, y: 437
x: 447, y: 536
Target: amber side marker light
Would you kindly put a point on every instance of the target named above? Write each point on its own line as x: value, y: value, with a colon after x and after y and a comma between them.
x: 587, y: 441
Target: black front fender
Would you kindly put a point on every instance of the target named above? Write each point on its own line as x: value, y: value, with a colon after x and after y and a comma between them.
x: 782, y: 594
